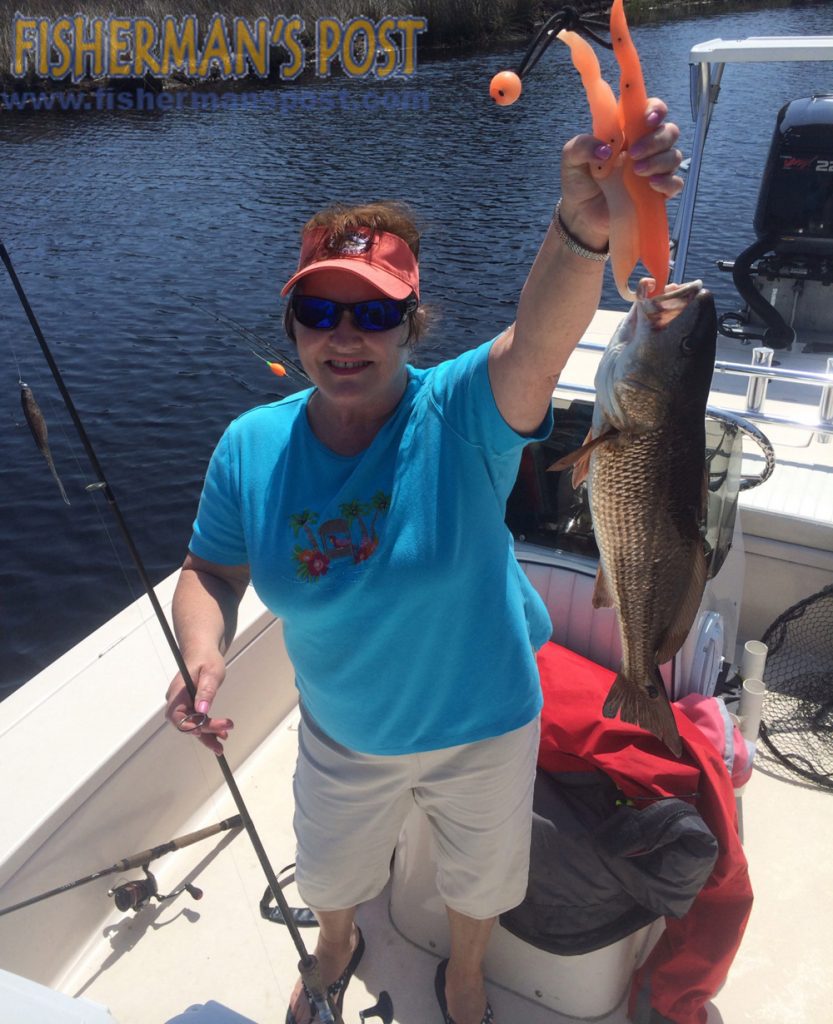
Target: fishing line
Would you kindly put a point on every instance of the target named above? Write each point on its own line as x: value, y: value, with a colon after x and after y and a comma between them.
x: 73, y: 451
x: 16, y: 360
x: 269, y: 354
x: 57, y: 421
x: 308, y: 965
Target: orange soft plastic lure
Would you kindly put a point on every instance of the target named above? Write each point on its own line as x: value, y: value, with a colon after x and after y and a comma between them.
x: 638, y: 220
x: 604, y: 110
x: 633, y: 101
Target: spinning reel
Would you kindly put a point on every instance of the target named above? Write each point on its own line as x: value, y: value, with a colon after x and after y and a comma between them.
x: 138, y: 893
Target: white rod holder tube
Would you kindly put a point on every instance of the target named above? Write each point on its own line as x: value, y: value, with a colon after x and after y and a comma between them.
x: 756, y: 386
x: 826, y: 404
x: 754, y: 660
x: 749, y: 709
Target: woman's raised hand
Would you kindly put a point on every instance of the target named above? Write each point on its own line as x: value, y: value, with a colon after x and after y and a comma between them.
x: 655, y: 155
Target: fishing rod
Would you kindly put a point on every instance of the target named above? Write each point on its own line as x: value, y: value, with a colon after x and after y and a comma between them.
x: 276, y: 361
x: 308, y: 965
x: 133, y: 895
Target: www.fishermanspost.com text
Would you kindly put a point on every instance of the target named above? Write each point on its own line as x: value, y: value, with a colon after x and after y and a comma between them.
x: 390, y: 100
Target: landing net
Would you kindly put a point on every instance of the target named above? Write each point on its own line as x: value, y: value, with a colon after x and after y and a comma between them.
x: 797, y: 715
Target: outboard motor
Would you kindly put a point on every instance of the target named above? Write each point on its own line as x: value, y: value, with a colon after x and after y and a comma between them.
x: 785, y: 276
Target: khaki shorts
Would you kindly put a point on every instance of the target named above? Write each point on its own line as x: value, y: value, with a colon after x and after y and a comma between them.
x: 350, y: 807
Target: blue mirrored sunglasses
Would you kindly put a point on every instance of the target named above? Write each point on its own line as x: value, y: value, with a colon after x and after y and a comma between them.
x: 371, y: 315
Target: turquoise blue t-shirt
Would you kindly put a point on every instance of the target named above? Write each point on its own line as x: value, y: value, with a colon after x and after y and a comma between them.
x: 408, y: 620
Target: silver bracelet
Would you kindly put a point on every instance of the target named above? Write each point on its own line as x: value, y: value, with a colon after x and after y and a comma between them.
x: 573, y: 244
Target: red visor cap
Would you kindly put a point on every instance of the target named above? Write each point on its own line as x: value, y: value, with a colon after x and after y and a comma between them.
x: 383, y: 259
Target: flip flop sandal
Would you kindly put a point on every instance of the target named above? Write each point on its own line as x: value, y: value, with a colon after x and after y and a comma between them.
x: 439, y: 988
x: 337, y: 988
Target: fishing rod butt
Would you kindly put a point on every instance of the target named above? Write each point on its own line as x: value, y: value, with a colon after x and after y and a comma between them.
x: 310, y: 970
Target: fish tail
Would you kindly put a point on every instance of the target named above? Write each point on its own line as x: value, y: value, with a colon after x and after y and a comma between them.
x: 621, y: 699
x: 650, y: 710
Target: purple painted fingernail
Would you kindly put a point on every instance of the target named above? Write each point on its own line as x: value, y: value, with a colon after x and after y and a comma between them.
x: 202, y: 707
x: 654, y: 118
x: 602, y: 151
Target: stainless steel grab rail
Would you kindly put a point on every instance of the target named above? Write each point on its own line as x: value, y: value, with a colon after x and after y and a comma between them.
x: 775, y: 373
x: 746, y: 369
x: 819, y: 426
x: 822, y: 426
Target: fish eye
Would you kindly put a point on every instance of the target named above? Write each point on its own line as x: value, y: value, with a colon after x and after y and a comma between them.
x: 687, y: 344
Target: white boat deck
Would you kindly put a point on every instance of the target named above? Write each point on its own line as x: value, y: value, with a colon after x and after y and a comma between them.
x: 217, y: 961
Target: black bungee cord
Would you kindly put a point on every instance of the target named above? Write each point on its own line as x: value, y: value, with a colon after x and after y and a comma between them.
x: 308, y: 964
x: 567, y: 18
x: 506, y: 86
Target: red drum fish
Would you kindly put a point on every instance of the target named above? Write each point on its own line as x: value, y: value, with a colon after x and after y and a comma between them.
x: 37, y: 424
x: 644, y: 462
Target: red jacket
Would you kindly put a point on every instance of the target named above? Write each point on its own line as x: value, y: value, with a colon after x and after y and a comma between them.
x: 692, y: 957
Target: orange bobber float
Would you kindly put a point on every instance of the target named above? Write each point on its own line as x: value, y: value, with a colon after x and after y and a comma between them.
x: 505, y: 88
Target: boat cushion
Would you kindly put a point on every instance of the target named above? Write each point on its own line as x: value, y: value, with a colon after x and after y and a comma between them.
x: 603, y: 864
x: 693, y: 955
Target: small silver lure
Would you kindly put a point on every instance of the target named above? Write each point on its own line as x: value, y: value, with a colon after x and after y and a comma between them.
x: 37, y: 424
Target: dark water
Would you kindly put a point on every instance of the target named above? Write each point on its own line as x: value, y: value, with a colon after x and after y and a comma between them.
x: 111, y: 217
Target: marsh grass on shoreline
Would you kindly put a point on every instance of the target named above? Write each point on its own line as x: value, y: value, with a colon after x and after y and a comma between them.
x: 452, y: 24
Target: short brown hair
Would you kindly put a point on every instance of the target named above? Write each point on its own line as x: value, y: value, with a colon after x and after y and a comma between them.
x: 341, y: 220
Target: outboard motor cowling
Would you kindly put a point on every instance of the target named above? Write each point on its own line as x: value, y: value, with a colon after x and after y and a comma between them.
x: 785, y: 276
x: 795, y: 204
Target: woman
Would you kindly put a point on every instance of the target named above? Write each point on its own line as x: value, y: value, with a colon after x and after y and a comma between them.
x: 410, y: 625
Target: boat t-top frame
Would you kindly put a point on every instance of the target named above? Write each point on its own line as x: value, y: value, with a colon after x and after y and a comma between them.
x: 707, y: 61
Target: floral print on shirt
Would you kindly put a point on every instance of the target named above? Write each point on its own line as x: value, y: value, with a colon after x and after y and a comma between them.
x: 350, y: 535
